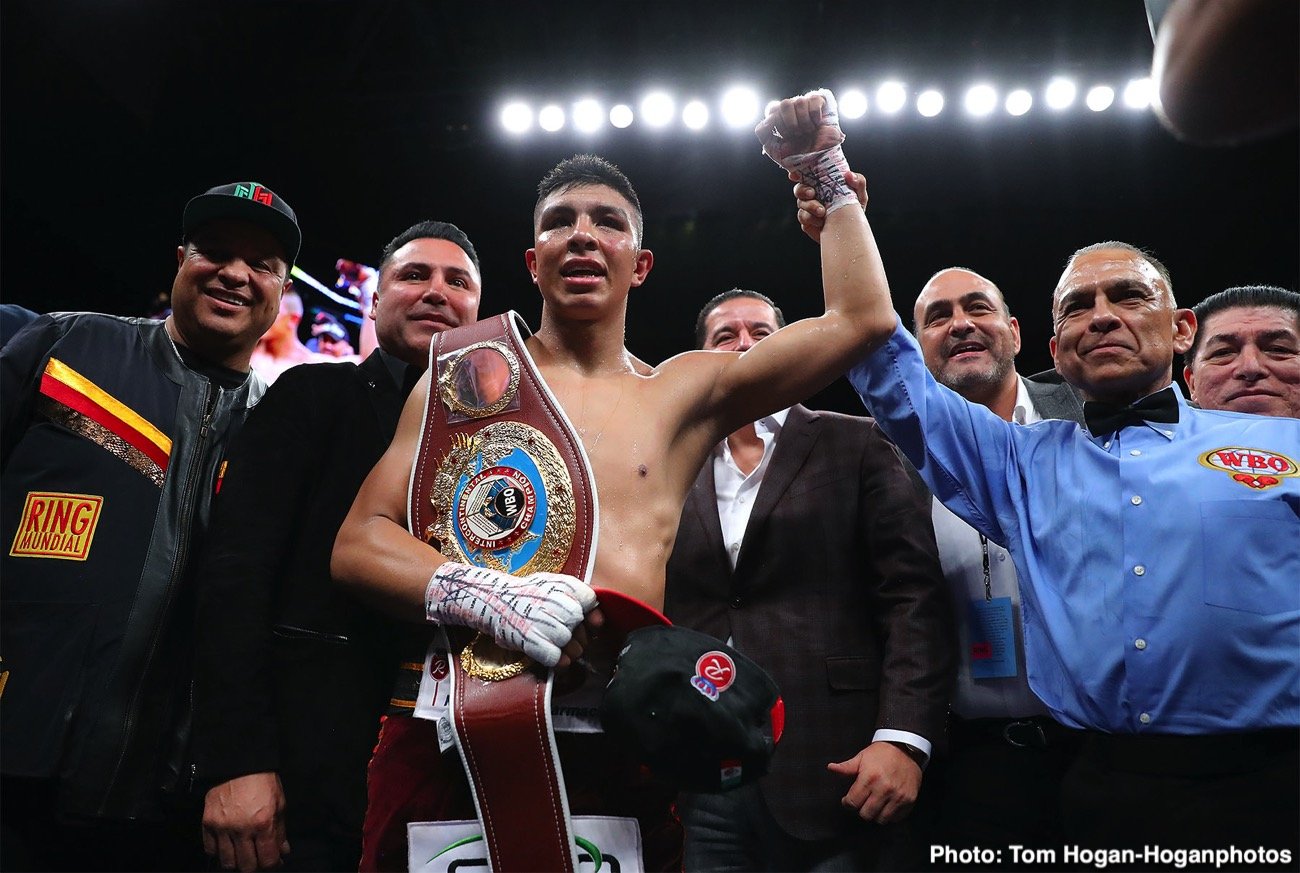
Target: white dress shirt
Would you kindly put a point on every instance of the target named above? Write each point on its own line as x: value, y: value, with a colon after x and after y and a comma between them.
x: 962, y: 557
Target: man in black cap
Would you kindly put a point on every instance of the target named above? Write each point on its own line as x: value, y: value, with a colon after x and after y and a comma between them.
x: 113, y: 436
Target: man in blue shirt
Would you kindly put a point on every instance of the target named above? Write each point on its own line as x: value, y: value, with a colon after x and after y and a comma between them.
x: 1158, y: 552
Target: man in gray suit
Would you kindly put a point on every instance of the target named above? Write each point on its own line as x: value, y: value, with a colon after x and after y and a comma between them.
x: 805, y: 542
x: 1000, y: 783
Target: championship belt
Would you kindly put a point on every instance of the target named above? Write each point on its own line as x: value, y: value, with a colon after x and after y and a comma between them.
x: 501, y: 480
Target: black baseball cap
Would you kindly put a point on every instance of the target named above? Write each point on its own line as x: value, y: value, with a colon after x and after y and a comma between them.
x: 694, y: 710
x: 246, y: 201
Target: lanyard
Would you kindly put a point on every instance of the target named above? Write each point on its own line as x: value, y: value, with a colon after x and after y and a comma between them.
x: 988, y: 581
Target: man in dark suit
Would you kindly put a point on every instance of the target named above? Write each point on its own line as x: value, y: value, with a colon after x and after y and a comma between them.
x: 293, y: 675
x: 1000, y: 782
x: 806, y: 544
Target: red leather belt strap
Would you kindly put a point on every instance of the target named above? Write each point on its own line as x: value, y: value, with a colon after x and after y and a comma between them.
x: 503, y: 729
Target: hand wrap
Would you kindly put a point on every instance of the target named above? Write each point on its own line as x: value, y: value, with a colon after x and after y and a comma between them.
x: 825, y: 170
x: 535, y: 614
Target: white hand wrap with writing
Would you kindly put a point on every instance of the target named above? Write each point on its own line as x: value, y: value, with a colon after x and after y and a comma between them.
x: 825, y: 170
x: 534, y: 614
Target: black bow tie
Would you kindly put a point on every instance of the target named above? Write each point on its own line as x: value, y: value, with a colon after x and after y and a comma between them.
x: 1102, y: 418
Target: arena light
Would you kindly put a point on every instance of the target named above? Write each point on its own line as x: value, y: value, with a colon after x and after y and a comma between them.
x: 550, y: 118
x: 740, y: 107
x: 891, y: 97
x: 1099, y: 98
x: 929, y: 103
x: 695, y: 115
x: 516, y: 117
x: 1060, y: 93
x: 588, y: 116
x: 1019, y: 102
x: 657, y: 109
x: 981, y: 100
x: 1137, y: 94
x: 853, y: 104
x: 620, y: 116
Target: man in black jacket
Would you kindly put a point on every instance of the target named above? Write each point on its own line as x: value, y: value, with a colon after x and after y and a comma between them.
x: 114, y: 431
x: 292, y: 674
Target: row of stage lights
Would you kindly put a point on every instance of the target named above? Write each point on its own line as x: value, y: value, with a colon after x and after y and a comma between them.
x: 739, y: 107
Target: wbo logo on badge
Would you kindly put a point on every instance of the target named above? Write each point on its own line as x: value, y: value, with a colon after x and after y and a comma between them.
x: 1255, y: 468
x: 57, y: 525
x: 497, y: 509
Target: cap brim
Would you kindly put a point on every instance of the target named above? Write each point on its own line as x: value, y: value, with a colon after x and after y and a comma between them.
x: 625, y: 614
x: 211, y: 207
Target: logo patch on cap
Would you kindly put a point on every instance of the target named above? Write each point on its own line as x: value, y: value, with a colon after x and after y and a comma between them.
x: 732, y: 773
x: 714, y: 673
x: 254, y: 191
x: 1255, y: 468
x: 57, y: 525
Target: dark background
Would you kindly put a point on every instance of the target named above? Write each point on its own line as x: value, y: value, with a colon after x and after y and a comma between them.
x: 370, y: 116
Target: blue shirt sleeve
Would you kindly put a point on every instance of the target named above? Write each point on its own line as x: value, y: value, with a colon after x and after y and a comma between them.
x: 962, y: 450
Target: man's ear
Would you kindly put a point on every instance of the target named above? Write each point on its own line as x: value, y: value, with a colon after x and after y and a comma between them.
x: 1184, y: 330
x: 180, y: 255
x: 530, y: 258
x: 1015, y: 332
x: 1190, y: 378
x: 645, y: 259
x: 1051, y: 347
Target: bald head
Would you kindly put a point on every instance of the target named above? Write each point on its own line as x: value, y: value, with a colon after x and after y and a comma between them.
x: 952, y: 281
x: 967, y: 334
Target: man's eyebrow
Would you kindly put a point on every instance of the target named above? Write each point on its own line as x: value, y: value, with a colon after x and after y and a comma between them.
x: 978, y: 295
x: 458, y: 270
x: 1074, y: 293
x: 1277, y: 334
x: 1127, y: 284
x: 610, y: 208
x: 554, y: 208
x: 410, y: 264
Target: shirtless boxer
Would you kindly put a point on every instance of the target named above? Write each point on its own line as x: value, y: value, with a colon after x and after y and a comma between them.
x: 646, y: 430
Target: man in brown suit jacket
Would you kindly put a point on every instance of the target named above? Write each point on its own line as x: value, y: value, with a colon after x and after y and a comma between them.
x: 807, y: 545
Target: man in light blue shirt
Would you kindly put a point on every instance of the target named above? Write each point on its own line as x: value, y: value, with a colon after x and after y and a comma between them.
x: 1158, y: 552
x: 1158, y: 560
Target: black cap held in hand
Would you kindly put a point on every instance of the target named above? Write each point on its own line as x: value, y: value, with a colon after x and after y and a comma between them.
x: 697, y: 712
x: 246, y: 201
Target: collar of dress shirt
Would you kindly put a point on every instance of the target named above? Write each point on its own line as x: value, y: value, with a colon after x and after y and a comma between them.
x: 1025, y: 412
x: 768, y: 424
x: 1164, y: 429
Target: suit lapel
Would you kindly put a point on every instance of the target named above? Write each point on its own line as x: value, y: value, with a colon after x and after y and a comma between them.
x: 792, y: 448
x: 1055, y: 400
x: 701, y: 511
x: 385, y: 399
